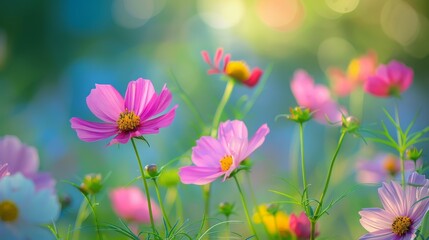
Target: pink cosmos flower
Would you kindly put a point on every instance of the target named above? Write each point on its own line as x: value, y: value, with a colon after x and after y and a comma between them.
x: 403, y: 210
x: 126, y: 118
x: 390, y: 80
x: 316, y: 97
x: 17, y: 157
x: 237, y: 70
x: 381, y: 168
x: 130, y: 204
x: 216, y: 157
x: 300, y: 226
x: 358, y: 71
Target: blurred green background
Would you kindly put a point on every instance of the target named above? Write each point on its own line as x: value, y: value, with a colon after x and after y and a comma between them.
x: 53, y: 52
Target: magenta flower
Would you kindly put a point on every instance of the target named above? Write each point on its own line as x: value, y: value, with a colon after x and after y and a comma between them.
x: 390, y: 80
x: 216, y: 157
x: 381, y: 168
x: 358, y: 71
x: 237, y: 70
x: 130, y: 204
x: 316, y: 97
x: 300, y: 226
x: 403, y: 210
x: 16, y: 157
x: 126, y: 118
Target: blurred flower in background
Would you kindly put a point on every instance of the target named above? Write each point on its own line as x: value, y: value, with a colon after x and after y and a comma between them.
x: 16, y: 157
x: 382, y: 167
x: 24, y: 209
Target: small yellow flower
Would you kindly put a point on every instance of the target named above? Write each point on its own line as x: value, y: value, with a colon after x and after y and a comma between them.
x: 277, y: 223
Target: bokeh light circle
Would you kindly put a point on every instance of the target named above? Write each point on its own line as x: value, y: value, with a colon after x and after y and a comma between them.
x: 342, y: 6
x: 221, y: 14
x: 282, y: 15
x: 400, y: 22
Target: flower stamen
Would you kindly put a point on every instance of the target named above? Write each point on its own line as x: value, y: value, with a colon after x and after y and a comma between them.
x: 390, y: 165
x: 9, y: 212
x: 225, y: 163
x: 237, y: 70
x: 401, y: 225
x: 128, y: 121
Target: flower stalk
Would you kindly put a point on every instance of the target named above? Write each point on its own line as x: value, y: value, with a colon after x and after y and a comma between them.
x: 246, y: 211
x: 149, y: 205
x: 316, y: 215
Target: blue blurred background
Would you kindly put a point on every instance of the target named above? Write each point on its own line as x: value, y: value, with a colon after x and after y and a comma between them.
x: 53, y: 52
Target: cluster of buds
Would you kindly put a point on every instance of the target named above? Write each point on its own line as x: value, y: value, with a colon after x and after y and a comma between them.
x: 91, y: 184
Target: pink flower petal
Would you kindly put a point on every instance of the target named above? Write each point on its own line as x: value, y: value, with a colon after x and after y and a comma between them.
x: 43, y: 181
x: 18, y: 156
x: 92, y: 131
x: 199, y: 175
x: 342, y: 86
x: 122, y: 138
x: 130, y: 204
x: 257, y: 140
x: 206, y: 57
x: 385, y: 234
x: 208, y: 152
x: 234, y: 137
x: 374, y: 219
x: 153, y: 125
x: 254, y: 77
x: 158, y: 104
x: 392, y: 197
x: 226, y: 61
x: 377, y: 86
x: 139, y: 93
x: 218, y: 57
x: 105, y: 103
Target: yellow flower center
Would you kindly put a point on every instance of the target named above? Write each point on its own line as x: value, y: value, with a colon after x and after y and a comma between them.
x: 401, y: 225
x: 128, y: 121
x: 8, y: 211
x: 390, y: 165
x: 354, y: 69
x: 237, y: 70
x: 225, y: 163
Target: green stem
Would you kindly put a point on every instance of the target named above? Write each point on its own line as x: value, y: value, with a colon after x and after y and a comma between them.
x: 400, y: 150
x: 81, y: 215
x: 227, y: 228
x: 304, y: 179
x: 246, y: 211
x: 161, y: 204
x: 149, y: 205
x: 325, y: 188
x: 97, y: 225
x: 226, y: 95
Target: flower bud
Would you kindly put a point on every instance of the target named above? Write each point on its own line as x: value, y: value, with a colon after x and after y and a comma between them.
x: 299, y: 114
x: 413, y: 153
x: 350, y: 124
x: 91, y: 184
x: 152, y: 170
x: 226, y: 208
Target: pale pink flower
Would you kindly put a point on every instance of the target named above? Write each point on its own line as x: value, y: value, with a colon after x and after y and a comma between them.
x: 402, y: 213
x: 358, y: 71
x: 382, y: 167
x: 316, y: 97
x: 390, y: 80
x: 216, y: 157
x: 237, y: 70
x: 134, y: 116
x: 130, y: 204
x: 300, y: 226
x: 17, y: 157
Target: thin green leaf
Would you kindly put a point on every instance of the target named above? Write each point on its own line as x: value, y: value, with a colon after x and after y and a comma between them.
x: 283, y: 194
x: 217, y: 224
